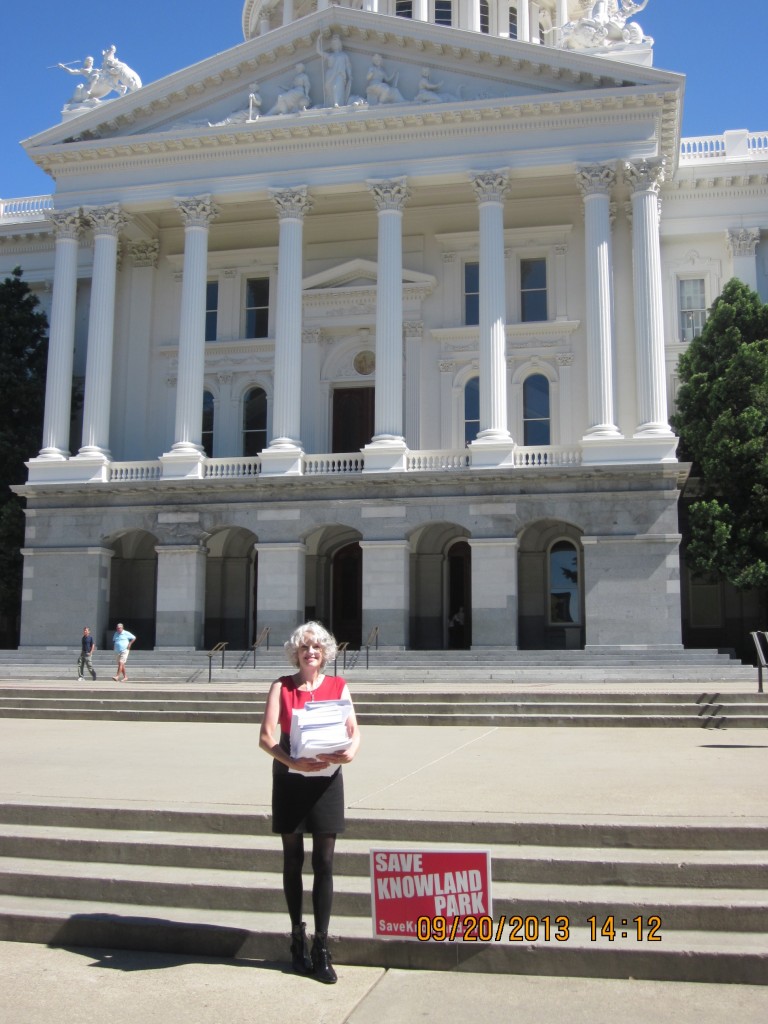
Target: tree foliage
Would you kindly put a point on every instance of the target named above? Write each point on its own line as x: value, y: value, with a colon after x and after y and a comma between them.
x: 722, y: 420
x: 23, y: 355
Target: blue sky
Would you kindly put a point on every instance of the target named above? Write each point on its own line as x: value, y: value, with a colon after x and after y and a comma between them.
x: 723, y: 62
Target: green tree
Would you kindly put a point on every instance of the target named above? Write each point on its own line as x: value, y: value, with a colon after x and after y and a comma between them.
x: 23, y: 354
x: 722, y: 420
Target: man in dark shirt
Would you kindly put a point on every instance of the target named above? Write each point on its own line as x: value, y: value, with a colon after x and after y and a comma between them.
x: 86, y: 655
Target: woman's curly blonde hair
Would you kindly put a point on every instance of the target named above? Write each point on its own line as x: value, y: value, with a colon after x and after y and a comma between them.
x: 319, y: 633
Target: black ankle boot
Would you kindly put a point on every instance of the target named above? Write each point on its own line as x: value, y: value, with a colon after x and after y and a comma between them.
x: 301, y: 961
x: 321, y: 959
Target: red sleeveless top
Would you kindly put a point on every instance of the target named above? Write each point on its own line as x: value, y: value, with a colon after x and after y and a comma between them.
x: 292, y: 697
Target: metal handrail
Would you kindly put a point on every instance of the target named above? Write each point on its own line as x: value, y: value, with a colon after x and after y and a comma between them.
x: 762, y: 659
x: 341, y: 649
x: 263, y: 638
x: 373, y: 638
x: 220, y: 646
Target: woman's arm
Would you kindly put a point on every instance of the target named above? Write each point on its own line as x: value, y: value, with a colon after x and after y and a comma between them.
x: 268, y: 741
x: 353, y: 731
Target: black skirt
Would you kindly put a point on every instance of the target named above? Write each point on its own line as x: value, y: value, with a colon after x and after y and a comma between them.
x: 305, y: 803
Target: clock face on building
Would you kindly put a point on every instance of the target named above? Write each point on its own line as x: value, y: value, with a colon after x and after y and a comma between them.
x: 365, y: 363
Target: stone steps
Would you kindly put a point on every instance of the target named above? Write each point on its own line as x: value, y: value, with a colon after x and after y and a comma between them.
x: 479, y: 708
x: 206, y: 882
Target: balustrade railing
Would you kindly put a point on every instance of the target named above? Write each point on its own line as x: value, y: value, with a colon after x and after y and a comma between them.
x: 431, y: 461
x: 346, y: 463
x: 120, y: 472
x: 549, y: 456
x: 350, y: 463
x: 232, y: 469
x: 737, y: 145
x: 25, y: 208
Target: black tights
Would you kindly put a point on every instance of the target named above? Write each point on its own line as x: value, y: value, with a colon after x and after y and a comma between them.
x: 322, y: 866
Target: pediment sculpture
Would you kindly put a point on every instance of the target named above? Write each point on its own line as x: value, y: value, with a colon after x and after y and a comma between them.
x: 112, y: 76
x: 607, y: 26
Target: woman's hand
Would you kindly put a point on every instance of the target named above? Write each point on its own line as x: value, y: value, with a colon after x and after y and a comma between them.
x: 337, y: 757
x: 307, y: 764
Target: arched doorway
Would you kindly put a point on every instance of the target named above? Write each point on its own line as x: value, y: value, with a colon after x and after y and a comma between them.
x: 441, y: 587
x: 230, y: 589
x: 133, y: 587
x: 334, y: 581
x: 550, y: 587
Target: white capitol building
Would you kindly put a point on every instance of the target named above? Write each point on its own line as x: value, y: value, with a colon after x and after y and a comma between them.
x: 376, y: 317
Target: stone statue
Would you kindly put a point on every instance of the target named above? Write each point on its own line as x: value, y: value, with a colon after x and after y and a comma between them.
x: 606, y: 26
x: 112, y: 76
x: 337, y: 73
x: 295, y: 98
x: 380, y: 88
x: 254, y: 102
x: 429, y: 91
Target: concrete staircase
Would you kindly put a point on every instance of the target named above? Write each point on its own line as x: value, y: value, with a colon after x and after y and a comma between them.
x: 392, y: 666
x: 203, y: 882
x: 453, y: 708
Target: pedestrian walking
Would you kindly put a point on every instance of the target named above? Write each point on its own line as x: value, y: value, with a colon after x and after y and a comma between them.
x: 122, y: 642
x: 87, y: 650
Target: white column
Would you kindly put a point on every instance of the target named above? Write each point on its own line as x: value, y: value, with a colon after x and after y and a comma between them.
x: 284, y: 452
x: 420, y: 10
x: 107, y: 222
x: 595, y: 184
x: 390, y: 198
x: 561, y: 18
x: 645, y: 178
x: 133, y: 365
x: 186, y: 455
x: 523, y: 21
x: 61, y: 343
x: 490, y: 190
x: 742, y: 247
x: 287, y: 12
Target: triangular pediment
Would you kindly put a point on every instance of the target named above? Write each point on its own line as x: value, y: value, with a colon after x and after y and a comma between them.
x: 438, y: 73
x: 359, y: 274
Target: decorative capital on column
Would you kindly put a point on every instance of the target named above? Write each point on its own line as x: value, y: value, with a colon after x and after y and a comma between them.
x: 490, y: 186
x: 67, y: 224
x: 595, y: 180
x: 144, y: 253
x: 105, y: 220
x: 389, y: 195
x: 197, y: 212
x: 645, y: 175
x: 311, y: 336
x: 742, y: 241
x: 413, y: 328
x: 292, y: 203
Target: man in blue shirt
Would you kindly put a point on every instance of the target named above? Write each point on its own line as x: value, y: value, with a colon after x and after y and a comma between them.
x: 85, y: 661
x: 122, y: 642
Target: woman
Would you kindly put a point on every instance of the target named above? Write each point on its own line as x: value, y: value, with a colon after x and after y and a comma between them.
x: 302, y: 803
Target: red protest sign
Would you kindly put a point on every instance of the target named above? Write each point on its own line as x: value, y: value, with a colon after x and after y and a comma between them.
x: 411, y: 889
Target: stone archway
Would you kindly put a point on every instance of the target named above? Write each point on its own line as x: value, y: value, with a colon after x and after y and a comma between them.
x: 334, y: 582
x: 231, y: 578
x: 550, y: 611
x: 440, y: 585
x: 133, y: 587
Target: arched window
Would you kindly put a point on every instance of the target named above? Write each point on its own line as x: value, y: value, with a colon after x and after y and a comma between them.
x: 485, y: 16
x: 444, y: 12
x: 471, y: 409
x: 513, y: 21
x: 254, y: 421
x: 564, y: 592
x: 206, y: 438
x: 536, y: 421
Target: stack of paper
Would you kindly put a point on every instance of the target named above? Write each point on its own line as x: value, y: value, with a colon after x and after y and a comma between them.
x: 320, y: 727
